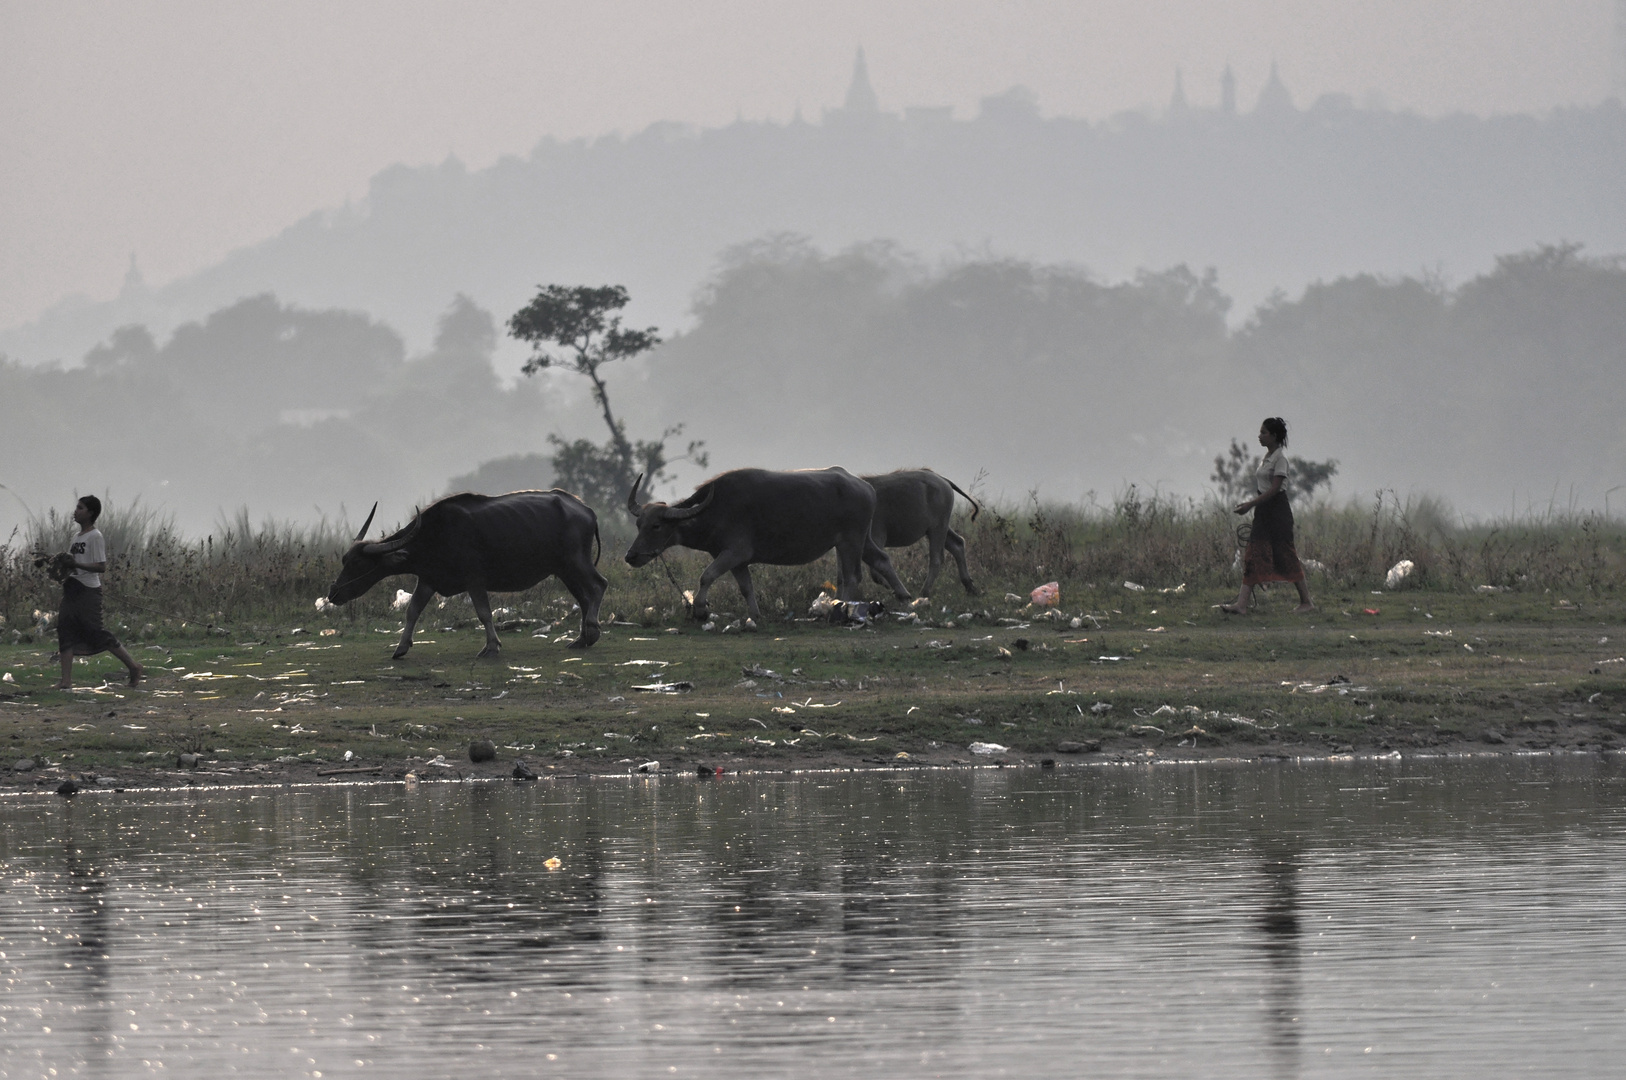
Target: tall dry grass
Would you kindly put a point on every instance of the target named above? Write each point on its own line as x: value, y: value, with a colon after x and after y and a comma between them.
x: 1154, y: 539
x: 161, y: 583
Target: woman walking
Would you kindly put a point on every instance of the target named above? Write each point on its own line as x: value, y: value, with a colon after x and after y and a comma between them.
x: 1270, y: 555
x: 79, y: 629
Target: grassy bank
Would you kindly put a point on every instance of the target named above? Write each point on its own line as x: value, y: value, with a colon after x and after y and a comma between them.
x: 166, y: 586
x: 1504, y: 636
x: 1145, y: 675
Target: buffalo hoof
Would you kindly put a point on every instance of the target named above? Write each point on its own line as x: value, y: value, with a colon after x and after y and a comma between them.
x: 490, y: 652
x: 589, y: 636
x: 400, y: 654
x: 700, y: 612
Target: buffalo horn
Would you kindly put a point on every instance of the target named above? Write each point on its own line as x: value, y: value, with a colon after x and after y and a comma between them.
x: 683, y: 513
x: 384, y: 547
x: 632, y: 497
x: 363, y: 533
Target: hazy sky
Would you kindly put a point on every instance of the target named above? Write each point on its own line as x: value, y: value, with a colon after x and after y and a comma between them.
x: 181, y: 129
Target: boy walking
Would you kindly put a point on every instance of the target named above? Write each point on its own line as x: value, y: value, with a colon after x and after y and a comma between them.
x: 79, y: 629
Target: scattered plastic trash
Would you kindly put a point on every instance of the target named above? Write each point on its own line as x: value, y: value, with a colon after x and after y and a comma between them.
x: 1046, y: 595
x: 552, y: 863
x: 324, y: 605
x: 822, y: 605
x: 349, y: 755
x: 650, y: 766
x: 856, y: 612
x: 1371, y: 611
x: 1132, y: 587
x: 402, y: 599
x: 7, y: 678
x: 1101, y: 707
x: 1398, y: 573
x: 330, y: 632
x: 987, y: 748
x: 1490, y: 588
x: 665, y: 688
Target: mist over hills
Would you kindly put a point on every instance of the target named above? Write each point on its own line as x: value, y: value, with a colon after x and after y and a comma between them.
x: 1056, y: 304
x: 1502, y: 394
x: 1013, y: 377
x: 1275, y: 197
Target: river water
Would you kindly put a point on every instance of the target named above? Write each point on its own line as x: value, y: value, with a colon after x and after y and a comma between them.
x: 1417, y: 918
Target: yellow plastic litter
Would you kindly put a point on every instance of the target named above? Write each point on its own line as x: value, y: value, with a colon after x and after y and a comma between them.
x: 553, y: 863
x: 1046, y: 595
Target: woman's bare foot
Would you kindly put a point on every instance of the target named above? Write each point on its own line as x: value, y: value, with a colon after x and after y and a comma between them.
x: 135, y: 675
x: 1232, y: 609
x: 1304, y: 609
x: 61, y: 685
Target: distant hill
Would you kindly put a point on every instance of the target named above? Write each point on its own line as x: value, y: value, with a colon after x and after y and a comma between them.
x: 1276, y: 198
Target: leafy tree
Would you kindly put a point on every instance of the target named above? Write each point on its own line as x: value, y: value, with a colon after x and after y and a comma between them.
x: 577, y: 327
x: 1234, y: 474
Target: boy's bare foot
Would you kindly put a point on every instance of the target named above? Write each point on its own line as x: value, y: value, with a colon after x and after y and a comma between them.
x: 1232, y: 609
x: 60, y: 685
x: 1304, y: 609
x: 135, y: 675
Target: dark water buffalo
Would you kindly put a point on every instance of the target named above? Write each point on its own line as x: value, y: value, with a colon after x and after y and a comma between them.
x: 781, y: 518
x: 481, y: 544
x: 912, y: 503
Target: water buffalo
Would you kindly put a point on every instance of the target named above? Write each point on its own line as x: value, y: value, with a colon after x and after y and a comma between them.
x: 781, y: 518
x: 912, y: 503
x: 480, y: 544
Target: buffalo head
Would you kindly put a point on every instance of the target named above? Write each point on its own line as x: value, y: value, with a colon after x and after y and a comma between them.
x: 366, y: 564
x: 659, y: 526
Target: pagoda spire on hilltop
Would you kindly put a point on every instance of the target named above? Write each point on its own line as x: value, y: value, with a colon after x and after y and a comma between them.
x: 1274, y: 100
x: 860, y: 95
x: 1178, y: 105
x: 135, y: 286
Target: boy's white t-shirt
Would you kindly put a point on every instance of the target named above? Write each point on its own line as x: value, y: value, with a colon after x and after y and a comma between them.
x: 88, y: 548
x: 1273, y: 465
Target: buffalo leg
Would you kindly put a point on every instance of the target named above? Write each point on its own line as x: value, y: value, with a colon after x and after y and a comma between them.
x: 879, y: 541
x: 588, y: 589
x: 850, y: 567
x: 880, y: 564
x: 956, y: 547
x: 934, y: 560
x: 721, y: 565
x: 421, y: 595
x: 482, y: 608
x: 748, y: 589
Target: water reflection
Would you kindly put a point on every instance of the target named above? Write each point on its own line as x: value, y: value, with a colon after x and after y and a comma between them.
x: 1273, y: 921
x: 1279, y: 934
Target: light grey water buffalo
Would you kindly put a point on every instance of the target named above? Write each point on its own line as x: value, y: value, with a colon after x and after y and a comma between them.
x: 781, y: 518
x: 481, y: 544
x: 915, y: 503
